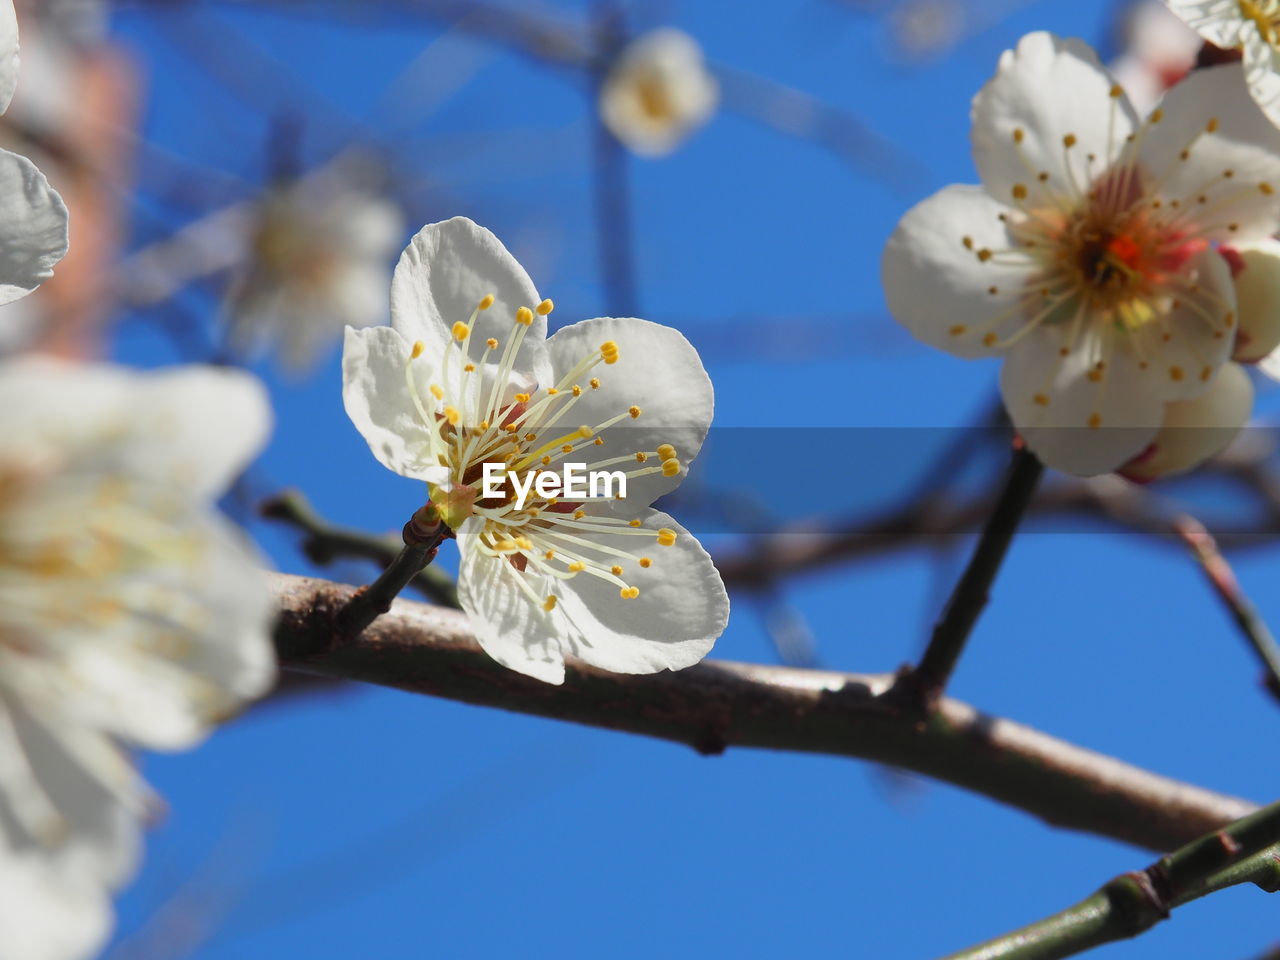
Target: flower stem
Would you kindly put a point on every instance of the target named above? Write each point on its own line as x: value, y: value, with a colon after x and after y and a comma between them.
x: 1246, y: 851
x: 323, y: 543
x: 422, y: 536
x: 972, y: 591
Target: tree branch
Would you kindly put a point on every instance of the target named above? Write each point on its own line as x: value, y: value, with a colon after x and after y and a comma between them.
x: 719, y: 704
x: 1132, y: 903
x: 1223, y: 581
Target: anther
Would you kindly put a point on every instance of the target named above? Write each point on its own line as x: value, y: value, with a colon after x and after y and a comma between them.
x: 635, y: 412
x: 1266, y: 188
x: 958, y: 330
x: 595, y: 383
x: 485, y: 302
x: 666, y: 451
x: 585, y: 432
x: 549, y: 604
x: 1069, y: 140
x: 1041, y: 399
x: 1175, y: 373
x: 670, y: 467
x: 436, y: 391
x: 616, y: 570
x: 1095, y: 421
x: 577, y: 566
x: 460, y: 330
x: 577, y: 390
x: 545, y: 307
x: 629, y: 593
x: 641, y: 457
x: 491, y: 343
x: 666, y: 536
x: 579, y: 514
x: 524, y: 316
x: 633, y: 523
x: 522, y: 398
x: 646, y: 562
x: 1018, y: 134
x: 418, y: 347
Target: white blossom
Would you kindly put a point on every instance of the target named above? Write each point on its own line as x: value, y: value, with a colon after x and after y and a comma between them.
x: 130, y: 615
x: 1159, y: 50
x: 466, y: 376
x: 658, y: 92
x: 1089, y: 259
x: 319, y: 249
x: 33, y: 218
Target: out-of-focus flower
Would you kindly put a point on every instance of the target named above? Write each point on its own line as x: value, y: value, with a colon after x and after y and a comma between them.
x: 318, y: 261
x: 1089, y: 257
x: 130, y: 615
x: 33, y: 218
x: 658, y: 92
x: 1250, y: 26
x: 1195, y: 430
x: 465, y: 378
x: 1159, y: 50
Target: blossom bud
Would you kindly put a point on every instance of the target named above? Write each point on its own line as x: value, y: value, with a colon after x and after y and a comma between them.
x: 1196, y: 429
x: 1257, y: 277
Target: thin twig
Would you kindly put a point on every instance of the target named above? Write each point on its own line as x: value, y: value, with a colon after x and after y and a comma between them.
x: 422, y: 535
x: 324, y: 543
x: 1223, y: 580
x: 716, y: 705
x: 974, y: 587
x: 1247, y: 851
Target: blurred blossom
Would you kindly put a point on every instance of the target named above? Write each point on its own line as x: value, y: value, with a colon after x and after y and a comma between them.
x: 1195, y: 430
x: 33, y: 219
x: 658, y: 92
x: 131, y: 614
x: 318, y: 259
x: 1089, y: 258
x: 1250, y: 26
x: 1159, y: 50
x: 465, y: 377
x: 926, y: 28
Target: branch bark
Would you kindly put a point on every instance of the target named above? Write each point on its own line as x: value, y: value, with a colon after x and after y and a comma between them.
x: 719, y: 704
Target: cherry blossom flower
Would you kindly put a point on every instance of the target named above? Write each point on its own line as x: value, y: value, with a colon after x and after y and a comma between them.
x: 130, y: 615
x: 465, y: 376
x: 33, y: 227
x: 1250, y: 26
x: 1089, y: 259
x: 658, y: 92
x: 320, y: 247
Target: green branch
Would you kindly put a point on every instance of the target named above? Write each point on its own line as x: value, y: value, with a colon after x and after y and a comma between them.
x: 1246, y: 851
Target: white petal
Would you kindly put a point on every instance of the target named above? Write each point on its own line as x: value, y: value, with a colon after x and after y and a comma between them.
x: 33, y: 227
x: 681, y: 610
x: 1218, y: 21
x: 1048, y: 88
x: 1244, y: 143
x: 1257, y: 286
x: 1197, y: 429
x: 1191, y: 342
x: 196, y: 427
x: 378, y: 401
x: 510, y: 627
x: 1261, y: 63
x: 445, y: 272
x: 657, y: 370
x: 935, y: 283
x: 1125, y: 401
x: 8, y: 53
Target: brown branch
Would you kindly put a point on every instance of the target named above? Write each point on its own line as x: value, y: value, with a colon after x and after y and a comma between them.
x: 1223, y: 580
x: 719, y: 704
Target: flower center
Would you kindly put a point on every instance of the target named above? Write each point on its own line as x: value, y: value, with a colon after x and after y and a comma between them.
x: 1265, y: 15
x: 478, y: 413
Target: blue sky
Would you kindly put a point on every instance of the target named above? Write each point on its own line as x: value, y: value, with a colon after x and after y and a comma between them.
x: 375, y: 823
